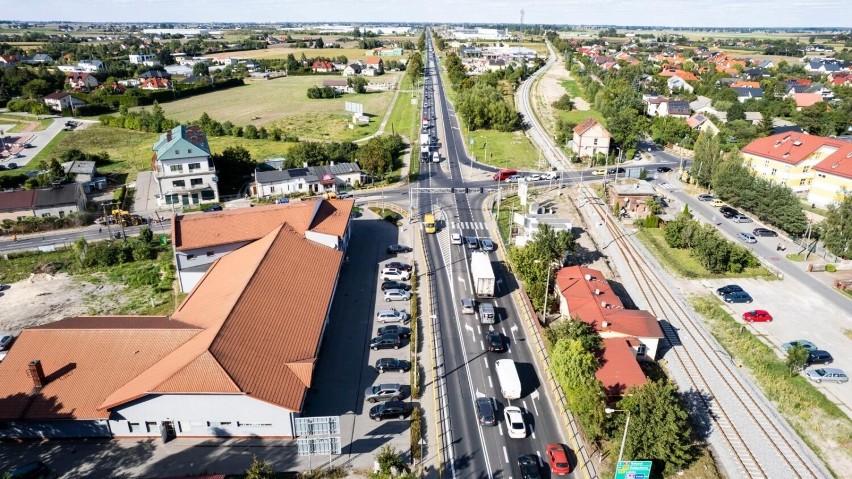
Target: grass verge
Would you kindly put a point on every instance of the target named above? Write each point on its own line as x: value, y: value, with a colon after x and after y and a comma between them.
x: 405, y: 120
x: 682, y: 263
x: 504, y: 219
x: 577, y: 116
x: 572, y: 88
x: 817, y: 419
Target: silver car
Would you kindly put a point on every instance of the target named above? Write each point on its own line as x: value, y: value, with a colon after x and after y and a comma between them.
x: 833, y: 375
x: 383, y: 392
x: 486, y: 245
x: 391, y: 316
x: 397, y: 295
x: 747, y: 237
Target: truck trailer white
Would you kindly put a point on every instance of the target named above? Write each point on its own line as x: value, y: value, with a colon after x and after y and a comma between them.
x: 483, y: 274
x: 507, y: 375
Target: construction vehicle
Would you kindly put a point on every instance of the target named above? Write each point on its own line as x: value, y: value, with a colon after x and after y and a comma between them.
x: 126, y: 219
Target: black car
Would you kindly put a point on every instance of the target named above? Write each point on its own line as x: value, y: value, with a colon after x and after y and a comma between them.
x: 394, y: 329
x: 485, y: 411
x: 818, y: 356
x: 386, y: 341
x: 613, y: 171
x: 529, y: 467
x: 389, y: 409
x: 32, y: 470
x: 496, y: 343
x: 392, y: 364
x: 663, y: 169
x: 399, y: 266
x: 398, y: 248
x: 731, y: 288
x: 763, y: 232
x: 390, y: 284
x: 728, y: 212
x: 210, y: 209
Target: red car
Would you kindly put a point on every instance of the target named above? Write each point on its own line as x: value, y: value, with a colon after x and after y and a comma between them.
x: 757, y: 316
x: 558, y: 459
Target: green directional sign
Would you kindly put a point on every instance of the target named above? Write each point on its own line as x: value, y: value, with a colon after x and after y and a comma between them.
x: 633, y: 470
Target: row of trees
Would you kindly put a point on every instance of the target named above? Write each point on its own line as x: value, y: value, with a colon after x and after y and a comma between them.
x: 707, y: 245
x: 534, y: 262
x: 378, y: 156
x: 836, y: 229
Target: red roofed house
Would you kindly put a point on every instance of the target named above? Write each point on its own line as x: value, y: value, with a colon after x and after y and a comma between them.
x: 587, y: 296
x: 155, y: 84
x: 590, y: 138
x: 804, y: 100
x: 61, y: 100
x: 81, y: 81
x: 375, y: 66
x: 235, y: 360
x: 323, y: 66
x: 9, y: 60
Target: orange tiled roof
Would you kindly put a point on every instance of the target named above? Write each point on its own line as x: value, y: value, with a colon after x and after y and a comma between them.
x: 746, y: 84
x: 838, y: 163
x: 789, y: 148
x: 619, y: 370
x: 685, y: 75
x: 234, y: 226
x: 587, y: 125
x: 806, y: 99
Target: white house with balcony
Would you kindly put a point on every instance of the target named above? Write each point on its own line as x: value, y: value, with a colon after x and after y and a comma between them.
x: 185, y: 173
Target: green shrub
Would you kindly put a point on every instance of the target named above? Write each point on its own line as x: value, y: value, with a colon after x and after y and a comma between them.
x: 416, y: 430
x: 830, y: 268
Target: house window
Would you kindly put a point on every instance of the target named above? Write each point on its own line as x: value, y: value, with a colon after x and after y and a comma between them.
x: 176, y: 168
x: 177, y: 152
x: 151, y: 426
x: 45, y: 215
x: 62, y: 214
x: 802, y: 182
x: 189, y: 151
x: 178, y: 184
x: 640, y: 351
x: 194, y: 166
x: 208, y: 195
x: 172, y: 199
x: 773, y: 171
x: 196, y: 182
x: 596, y: 142
x: 805, y: 169
x: 766, y: 164
x: 133, y: 427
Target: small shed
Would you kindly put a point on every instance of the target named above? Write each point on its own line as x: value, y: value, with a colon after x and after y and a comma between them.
x: 632, y: 197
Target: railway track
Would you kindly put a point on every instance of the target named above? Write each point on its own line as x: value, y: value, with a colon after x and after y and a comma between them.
x: 713, y: 374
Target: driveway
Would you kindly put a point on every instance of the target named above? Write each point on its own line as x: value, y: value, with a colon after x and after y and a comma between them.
x: 38, y: 140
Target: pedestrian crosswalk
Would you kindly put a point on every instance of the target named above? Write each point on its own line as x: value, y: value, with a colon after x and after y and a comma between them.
x: 667, y: 186
x: 467, y: 225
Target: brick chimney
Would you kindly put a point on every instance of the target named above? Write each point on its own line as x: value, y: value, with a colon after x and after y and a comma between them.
x: 35, y: 372
x: 168, y: 135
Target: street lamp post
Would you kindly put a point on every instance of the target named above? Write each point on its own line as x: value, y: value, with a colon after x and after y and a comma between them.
x: 624, y: 438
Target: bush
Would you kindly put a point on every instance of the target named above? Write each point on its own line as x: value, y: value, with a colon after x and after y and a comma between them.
x: 416, y: 431
x: 830, y: 268
x: 564, y: 103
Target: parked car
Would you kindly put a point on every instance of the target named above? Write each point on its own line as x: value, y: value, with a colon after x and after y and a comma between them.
x: 746, y: 237
x: 512, y: 179
x: 731, y: 288
x: 212, y: 208
x: 495, y: 342
x: 551, y: 176
x: 344, y: 195
x: 400, y: 331
x: 383, y: 392
x: 515, y: 422
x: 468, y: 306
x: 485, y: 411
x: 741, y: 218
x: 399, y: 266
x: 613, y: 171
x: 529, y: 466
x: 398, y: 248
x: 534, y: 177
x: 456, y: 238
x: 392, y: 364
x: 391, y: 315
x: 487, y: 245
x: 32, y: 470
x: 763, y: 232
x: 599, y: 172
x: 5, y: 341
x: 830, y: 375
x: 472, y: 242
x: 389, y: 409
x: 799, y: 342
x: 386, y: 341
x: 818, y: 356
x: 391, y: 284
x: 663, y: 169
x: 737, y: 297
x: 705, y: 197
x: 12, y: 166
x: 757, y: 316
x: 397, y: 295
x: 728, y: 212
x: 393, y: 274
x: 557, y: 457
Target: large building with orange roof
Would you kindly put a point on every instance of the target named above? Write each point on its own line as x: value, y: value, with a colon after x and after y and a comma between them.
x: 235, y: 360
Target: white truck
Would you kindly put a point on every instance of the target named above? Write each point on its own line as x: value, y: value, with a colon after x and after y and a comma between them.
x: 483, y: 274
x: 424, y: 139
x: 436, y: 158
x: 507, y: 375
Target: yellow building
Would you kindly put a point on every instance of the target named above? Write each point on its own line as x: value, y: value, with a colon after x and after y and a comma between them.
x: 815, y: 167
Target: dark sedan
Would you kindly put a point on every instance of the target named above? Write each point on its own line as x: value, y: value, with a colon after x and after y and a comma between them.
x: 389, y: 409
x: 613, y: 171
x: 398, y: 248
x: 399, y: 266
x: 728, y: 212
x: 496, y: 343
x: 731, y: 288
x: 392, y: 364
x: 663, y: 169
x: 390, y: 284
x: 396, y: 330
x: 763, y: 232
x: 386, y: 341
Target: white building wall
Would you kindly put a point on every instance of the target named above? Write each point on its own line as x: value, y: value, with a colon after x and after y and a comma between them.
x: 328, y: 240
x: 283, y: 187
x: 200, y: 257
x: 202, y: 415
x: 166, y: 177
x: 56, y: 211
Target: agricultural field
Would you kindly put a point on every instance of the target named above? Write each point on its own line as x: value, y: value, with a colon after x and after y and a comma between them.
x: 283, y: 103
x: 281, y: 52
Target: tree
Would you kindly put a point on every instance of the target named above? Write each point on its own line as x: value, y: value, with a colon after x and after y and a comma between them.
x: 564, y: 103
x: 200, y: 69
x: 259, y: 470
x: 797, y: 358
x: 233, y: 165
x: 574, y: 368
x: 358, y: 84
x: 659, y: 426
x: 319, y: 43
x: 375, y: 158
x: 574, y: 329
x: 706, y: 158
x: 145, y: 234
x: 736, y: 111
x: 836, y: 230
x: 388, y: 458
x: 36, y: 89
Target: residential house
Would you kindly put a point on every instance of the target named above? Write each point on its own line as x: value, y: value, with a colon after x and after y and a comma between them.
x: 155, y: 84
x: 376, y: 64
x: 674, y: 108
x: 745, y: 84
x: 699, y: 103
x: 339, y: 84
x: 746, y: 93
x: 753, y: 117
x: 676, y: 72
x: 534, y: 216
x: 585, y: 295
x: 184, y: 171
x: 386, y: 51
x: 310, y: 179
x: 590, y: 139
x: 822, y: 66
x: 83, y: 171
x: 832, y: 176
x: 757, y: 73
x: 148, y: 59
x: 701, y: 123
x: 633, y: 198
x: 323, y: 66
x: 57, y: 201
x: 201, y: 239
x: 790, y: 159
x: 91, y: 66
x: 677, y: 83
x: 81, y: 81
x: 190, y: 374
x: 41, y: 59
x: 9, y: 60
x: 654, y: 103
x: 155, y: 74
x: 352, y: 69
x: 804, y: 100
x: 61, y: 101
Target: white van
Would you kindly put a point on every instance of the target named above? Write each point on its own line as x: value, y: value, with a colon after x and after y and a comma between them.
x: 486, y: 313
x: 507, y: 376
x: 436, y: 158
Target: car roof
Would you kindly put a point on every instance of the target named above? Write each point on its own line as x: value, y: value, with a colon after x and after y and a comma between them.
x: 830, y: 371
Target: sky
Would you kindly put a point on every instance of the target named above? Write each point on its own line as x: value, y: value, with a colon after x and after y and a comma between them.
x: 676, y: 13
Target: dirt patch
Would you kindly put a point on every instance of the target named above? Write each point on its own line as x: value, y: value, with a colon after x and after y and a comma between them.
x: 45, y: 298
x: 546, y: 91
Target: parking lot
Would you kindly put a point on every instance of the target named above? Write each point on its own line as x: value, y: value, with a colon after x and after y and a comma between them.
x: 346, y: 365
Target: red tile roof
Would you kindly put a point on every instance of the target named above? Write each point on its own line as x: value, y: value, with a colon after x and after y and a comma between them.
x: 587, y: 125
x: 806, y: 99
x: 838, y: 163
x: 16, y: 200
x: 619, y: 370
x: 789, y: 148
x: 374, y: 60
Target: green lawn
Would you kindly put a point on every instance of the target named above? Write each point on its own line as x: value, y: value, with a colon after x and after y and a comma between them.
x: 405, y: 120
x: 283, y: 102
x: 572, y: 87
x: 504, y: 149
x: 577, y: 116
x: 682, y: 263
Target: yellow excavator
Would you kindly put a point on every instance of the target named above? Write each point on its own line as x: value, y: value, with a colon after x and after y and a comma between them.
x: 125, y: 218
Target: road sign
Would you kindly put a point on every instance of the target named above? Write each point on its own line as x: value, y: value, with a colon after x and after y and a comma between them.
x: 317, y: 426
x: 633, y: 470
x: 353, y: 107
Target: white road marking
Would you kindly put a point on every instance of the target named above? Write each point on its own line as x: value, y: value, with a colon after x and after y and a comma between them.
x: 479, y: 328
x: 514, y: 328
x: 500, y: 428
x: 505, y: 455
x: 535, y: 396
x: 490, y: 384
x: 486, y: 362
x: 482, y: 345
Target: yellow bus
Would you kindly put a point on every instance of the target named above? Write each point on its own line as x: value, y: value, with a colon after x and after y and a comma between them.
x: 429, y: 222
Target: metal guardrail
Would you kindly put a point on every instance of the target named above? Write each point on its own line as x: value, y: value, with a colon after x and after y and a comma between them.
x: 533, y: 329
